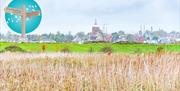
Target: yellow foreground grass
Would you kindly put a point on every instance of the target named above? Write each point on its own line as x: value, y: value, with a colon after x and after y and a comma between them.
x: 89, y: 72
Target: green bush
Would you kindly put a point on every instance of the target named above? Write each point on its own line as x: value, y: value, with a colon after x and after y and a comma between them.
x: 43, y: 48
x: 57, y: 48
x: 90, y: 50
x: 106, y: 49
x: 160, y: 49
x: 1, y: 51
x: 14, y: 49
x: 138, y: 51
x: 65, y: 50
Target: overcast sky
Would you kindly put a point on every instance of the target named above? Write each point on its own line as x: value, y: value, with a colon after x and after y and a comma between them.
x: 127, y: 15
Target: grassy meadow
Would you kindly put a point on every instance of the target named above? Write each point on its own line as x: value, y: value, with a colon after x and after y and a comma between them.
x: 93, y: 47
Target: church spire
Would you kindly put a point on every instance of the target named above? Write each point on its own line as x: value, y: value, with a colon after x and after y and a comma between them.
x: 95, y: 22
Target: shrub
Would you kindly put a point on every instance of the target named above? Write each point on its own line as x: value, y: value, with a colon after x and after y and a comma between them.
x: 138, y: 51
x: 65, y: 50
x: 43, y: 47
x: 57, y: 48
x: 14, y: 49
x: 1, y: 51
x: 160, y: 49
x: 106, y: 49
x: 90, y: 50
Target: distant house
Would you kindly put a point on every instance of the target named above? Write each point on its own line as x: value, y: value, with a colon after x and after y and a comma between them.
x: 78, y: 40
x: 108, y: 38
x: 47, y: 41
x: 166, y: 41
x: 139, y: 39
x: 177, y: 40
x: 119, y: 39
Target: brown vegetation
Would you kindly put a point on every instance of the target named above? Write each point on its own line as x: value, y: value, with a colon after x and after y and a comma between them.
x: 89, y: 72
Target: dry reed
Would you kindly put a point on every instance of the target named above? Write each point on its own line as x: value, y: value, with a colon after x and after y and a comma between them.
x: 89, y: 72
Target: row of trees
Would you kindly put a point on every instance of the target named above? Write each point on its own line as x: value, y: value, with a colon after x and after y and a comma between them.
x: 60, y: 37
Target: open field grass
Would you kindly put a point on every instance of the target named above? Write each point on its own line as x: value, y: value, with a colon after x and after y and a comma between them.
x: 89, y: 72
x: 94, y: 47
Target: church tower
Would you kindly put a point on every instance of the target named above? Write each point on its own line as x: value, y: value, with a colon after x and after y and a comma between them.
x: 95, y: 28
x: 96, y: 34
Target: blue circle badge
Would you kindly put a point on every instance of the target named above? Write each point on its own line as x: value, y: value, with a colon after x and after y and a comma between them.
x: 23, y: 16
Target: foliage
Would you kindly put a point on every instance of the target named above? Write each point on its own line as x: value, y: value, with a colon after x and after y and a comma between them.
x: 14, y: 49
x: 74, y: 47
x: 106, y: 49
x: 91, y: 50
x: 43, y: 48
x: 57, y: 48
x: 138, y: 51
x: 1, y: 51
x: 160, y: 49
x: 66, y: 50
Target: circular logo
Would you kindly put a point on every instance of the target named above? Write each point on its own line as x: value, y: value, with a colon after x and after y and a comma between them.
x: 23, y: 16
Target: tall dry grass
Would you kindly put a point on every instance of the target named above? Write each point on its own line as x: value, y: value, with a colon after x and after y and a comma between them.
x: 89, y: 72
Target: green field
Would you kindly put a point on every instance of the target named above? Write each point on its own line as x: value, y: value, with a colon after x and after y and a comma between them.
x: 94, y: 47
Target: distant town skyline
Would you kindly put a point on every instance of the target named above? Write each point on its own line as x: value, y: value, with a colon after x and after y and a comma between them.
x: 127, y: 15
